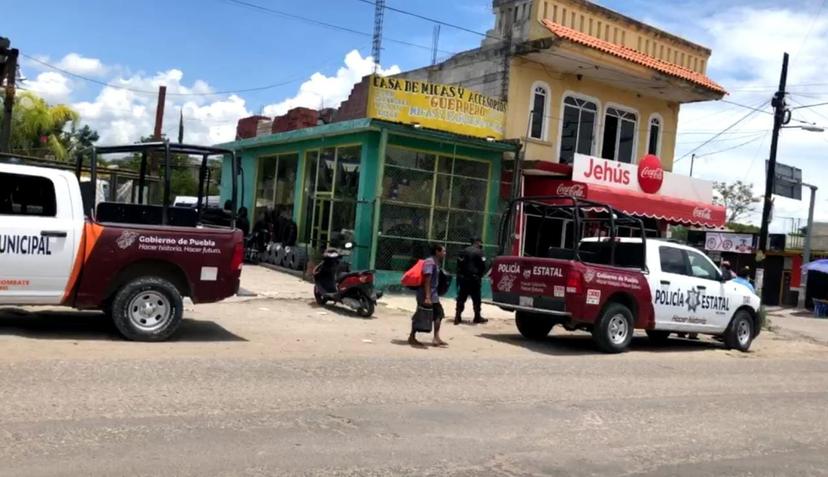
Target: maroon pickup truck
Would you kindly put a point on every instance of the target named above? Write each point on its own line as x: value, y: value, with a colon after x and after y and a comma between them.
x: 134, y: 261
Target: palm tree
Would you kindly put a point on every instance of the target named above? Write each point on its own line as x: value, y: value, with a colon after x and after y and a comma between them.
x: 37, y: 127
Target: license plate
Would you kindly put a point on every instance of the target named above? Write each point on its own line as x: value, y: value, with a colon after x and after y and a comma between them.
x: 527, y: 301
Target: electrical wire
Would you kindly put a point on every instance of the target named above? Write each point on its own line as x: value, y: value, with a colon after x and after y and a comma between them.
x: 141, y: 91
x: 749, y: 114
x: 324, y: 24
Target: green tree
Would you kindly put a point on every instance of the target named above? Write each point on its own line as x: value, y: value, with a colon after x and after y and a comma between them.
x: 742, y: 228
x: 79, y: 139
x: 737, y: 198
x: 38, y: 128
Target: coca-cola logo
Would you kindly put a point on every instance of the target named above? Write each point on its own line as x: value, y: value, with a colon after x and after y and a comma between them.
x: 702, y: 213
x: 650, y: 174
x: 576, y: 190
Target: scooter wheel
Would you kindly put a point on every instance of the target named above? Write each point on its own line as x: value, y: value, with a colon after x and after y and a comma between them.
x: 366, y: 308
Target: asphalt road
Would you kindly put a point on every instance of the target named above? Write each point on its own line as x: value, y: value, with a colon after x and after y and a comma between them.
x: 278, y: 387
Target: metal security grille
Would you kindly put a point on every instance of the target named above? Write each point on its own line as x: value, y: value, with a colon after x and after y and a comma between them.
x: 429, y: 198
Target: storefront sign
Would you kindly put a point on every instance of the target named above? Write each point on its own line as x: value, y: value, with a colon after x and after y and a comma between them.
x: 437, y: 106
x: 646, y: 177
x: 727, y: 242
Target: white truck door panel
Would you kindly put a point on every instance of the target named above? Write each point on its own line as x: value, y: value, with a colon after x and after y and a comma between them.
x: 38, y: 237
x: 712, y: 299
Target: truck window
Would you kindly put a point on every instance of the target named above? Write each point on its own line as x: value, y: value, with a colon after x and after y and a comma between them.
x: 701, y: 267
x: 27, y: 195
x: 672, y: 260
x: 627, y: 254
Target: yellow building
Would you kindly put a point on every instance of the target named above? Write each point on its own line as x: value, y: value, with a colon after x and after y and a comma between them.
x: 580, y: 78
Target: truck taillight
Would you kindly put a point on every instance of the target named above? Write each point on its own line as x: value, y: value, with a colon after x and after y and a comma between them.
x: 574, y: 281
x: 238, y: 257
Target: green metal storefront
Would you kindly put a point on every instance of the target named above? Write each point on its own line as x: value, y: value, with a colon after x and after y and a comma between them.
x: 397, y: 187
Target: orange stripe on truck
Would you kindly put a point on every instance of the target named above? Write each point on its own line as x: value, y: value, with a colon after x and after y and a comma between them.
x: 89, y: 237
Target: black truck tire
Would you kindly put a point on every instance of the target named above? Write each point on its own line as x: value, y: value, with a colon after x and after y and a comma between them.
x: 614, y: 330
x: 533, y: 326
x: 147, y: 309
x: 740, y: 333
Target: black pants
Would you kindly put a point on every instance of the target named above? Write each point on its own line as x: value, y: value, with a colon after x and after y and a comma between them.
x: 468, y: 287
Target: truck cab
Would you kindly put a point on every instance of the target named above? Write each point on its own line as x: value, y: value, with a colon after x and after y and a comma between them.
x: 610, y: 285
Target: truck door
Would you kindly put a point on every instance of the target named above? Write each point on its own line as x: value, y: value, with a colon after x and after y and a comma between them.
x: 38, y: 238
x: 670, y: 289
x: 713, y: 304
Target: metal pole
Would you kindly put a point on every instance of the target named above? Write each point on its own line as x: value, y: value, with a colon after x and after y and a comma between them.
x: 11, y: 75
x: 806, y: 251
x: 692, y: 162
x: 780, y: 108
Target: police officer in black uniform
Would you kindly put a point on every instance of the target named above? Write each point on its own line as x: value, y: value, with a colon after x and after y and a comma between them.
x: 471, y: 266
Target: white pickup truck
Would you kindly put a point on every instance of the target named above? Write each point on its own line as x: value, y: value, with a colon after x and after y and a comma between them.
x: 611, y: 285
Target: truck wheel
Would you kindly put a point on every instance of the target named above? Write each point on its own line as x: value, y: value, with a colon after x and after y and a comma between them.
x: 533, y: 326
x: 739, y: 334
x: 147, y: 309
x: 614, y: 330
x: 658, y: 337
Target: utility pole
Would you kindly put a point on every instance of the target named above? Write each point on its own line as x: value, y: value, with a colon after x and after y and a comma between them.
x: 806, y: 250
x: 159, y: 112
x: 781, y: 116
x: 8, y: 68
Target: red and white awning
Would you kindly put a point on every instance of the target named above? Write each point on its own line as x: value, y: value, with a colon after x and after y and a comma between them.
x: 670, y: 209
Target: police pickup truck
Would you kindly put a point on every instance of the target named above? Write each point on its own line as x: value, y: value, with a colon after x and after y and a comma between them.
x: 134, y: 261
x: 611, y: 286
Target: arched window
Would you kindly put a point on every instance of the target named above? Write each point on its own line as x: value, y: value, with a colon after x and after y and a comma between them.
x: 577, y: 127
x: 654, y: 135
x: 619, y: 135
x: 539, y: 111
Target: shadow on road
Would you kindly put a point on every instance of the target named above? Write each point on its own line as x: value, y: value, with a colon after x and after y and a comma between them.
x: 577, y: 344
x: 90, y: 325
x: 340, y: 310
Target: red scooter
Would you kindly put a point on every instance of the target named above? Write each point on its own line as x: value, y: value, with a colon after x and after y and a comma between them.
x: 334, y: 282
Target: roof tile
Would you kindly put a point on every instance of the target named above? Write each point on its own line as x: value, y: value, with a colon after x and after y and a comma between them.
x: 633, y: 56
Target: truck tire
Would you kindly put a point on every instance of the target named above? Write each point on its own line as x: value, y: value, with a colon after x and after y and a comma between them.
x: 533, y: 326
x: 658, y: 337
x: 147, y: 309
x: 739, y: 334
x: 614, y: 330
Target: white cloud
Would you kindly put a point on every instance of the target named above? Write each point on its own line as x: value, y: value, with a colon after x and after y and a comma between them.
x: 747, y: 44
x: 329, y: 91
x: 81, y: 65
x: 51, y: 86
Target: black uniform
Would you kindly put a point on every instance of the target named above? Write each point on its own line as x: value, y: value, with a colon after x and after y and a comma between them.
x: 471, y: 267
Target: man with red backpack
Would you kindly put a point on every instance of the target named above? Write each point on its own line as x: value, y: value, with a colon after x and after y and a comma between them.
x: 428, y: 296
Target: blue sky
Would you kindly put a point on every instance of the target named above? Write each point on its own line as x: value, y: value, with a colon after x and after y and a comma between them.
x: 200, y: 47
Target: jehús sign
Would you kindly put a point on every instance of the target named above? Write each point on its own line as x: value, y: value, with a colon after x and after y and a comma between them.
x: 648, y: 176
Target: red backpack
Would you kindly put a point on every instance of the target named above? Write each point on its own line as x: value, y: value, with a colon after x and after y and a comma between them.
x: 413, y: 278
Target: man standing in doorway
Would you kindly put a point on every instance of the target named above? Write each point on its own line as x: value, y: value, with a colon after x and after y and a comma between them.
x: 471, y: 266
x: 427, y: 295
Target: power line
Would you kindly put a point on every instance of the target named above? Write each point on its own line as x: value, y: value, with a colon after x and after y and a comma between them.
x: 749, y: 114
x: 141, y: 91
x: 737, y: 146
x: 433, y: 20
x: 811, y: 27
x: 331, y: 26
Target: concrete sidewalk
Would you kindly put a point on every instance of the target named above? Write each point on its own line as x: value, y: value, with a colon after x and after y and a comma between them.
x: 799, y: 323
x: 268, y: 283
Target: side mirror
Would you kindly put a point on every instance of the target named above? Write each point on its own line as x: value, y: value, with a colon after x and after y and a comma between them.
x: 349, y: 246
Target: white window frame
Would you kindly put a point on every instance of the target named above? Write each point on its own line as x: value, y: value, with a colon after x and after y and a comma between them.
x: 660, y: 119
x: 546, y: 110
x: 595, y: 127
x: 636, y: 130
